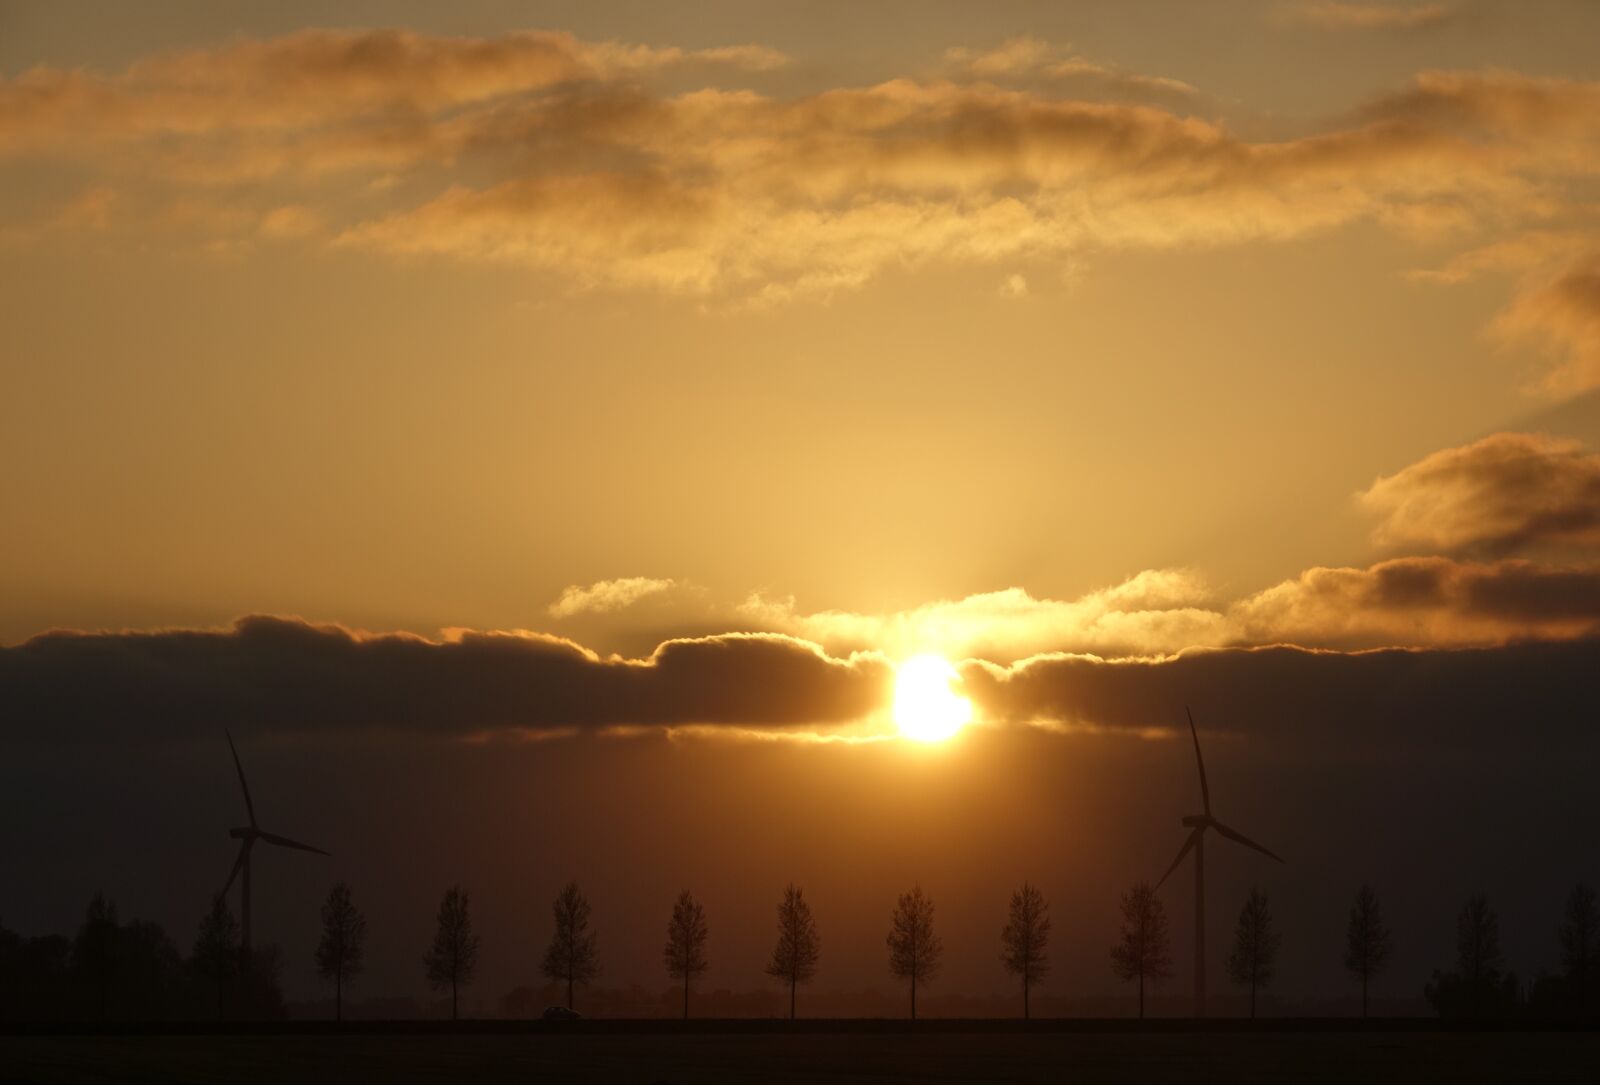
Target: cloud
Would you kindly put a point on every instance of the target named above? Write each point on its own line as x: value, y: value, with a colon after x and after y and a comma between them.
x: 1507, y: 493
x: 1430, y: 699
x: 1563, y: 315
x: 1422, y: 602
x: 318, y: 76
x: 604, y: 596
x: 1408, y: 602
x: 292, y: 676
x: 1340, y: 15
x: 1157, y: 611
x: 544, y: 151
x: 1029, y: 58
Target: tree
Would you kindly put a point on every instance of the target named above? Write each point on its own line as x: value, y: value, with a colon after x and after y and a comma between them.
x: 1580, y: 946
x: 1255, y: 946
x: 1025, y: 938
x: 1478, y: 948
x: 1477, y: 988
x: 344, y: 936
x: 94, y: 952
x: 914, y: 948
x: 216, y: 949
x: 454, y: 957
x: 794, y: 958
x: 570, y: 956
x: 1367, y: 944
x: 1145, y: 951
x: 685, y: 951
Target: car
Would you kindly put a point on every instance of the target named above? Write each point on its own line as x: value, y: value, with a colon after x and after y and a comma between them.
x: 560, y: 1013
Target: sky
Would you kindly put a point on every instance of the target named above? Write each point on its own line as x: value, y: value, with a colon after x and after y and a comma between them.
x: 539, y: 432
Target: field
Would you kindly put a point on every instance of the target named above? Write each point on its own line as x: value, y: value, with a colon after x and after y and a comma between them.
x: 853, y: 1051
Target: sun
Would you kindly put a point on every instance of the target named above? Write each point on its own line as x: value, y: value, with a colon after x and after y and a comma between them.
x: 925, y: 707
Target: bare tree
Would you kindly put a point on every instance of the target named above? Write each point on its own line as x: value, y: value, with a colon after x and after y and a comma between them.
x: 685, y: 951
x: 454, y: 957
x: 344, y: 937
x: 571, y: 957
x: 1025, y: 938
x: 1367, y: 943
x: 216, y: 949
x: 914, y: 949
x: 1145, y: 950
x: 1254, y: 959
x: 794, y: 958
x: 1580, y: 944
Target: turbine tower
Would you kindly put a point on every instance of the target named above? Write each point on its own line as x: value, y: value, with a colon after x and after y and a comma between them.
x: 1198, y: 824
x: 247, y: 837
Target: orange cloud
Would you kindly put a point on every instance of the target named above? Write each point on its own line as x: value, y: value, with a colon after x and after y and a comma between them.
x: 1507, y: 493
x: 607, y: 595
x: 1562, y: 314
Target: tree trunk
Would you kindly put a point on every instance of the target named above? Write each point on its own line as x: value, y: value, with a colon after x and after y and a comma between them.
x: 913, y: 996
x: 792, y: 980
x: 1141, y: 994
x: 338, y: 995
x: 1363, y: 996
x: 686, y: 998
x: 455, y: 1013
x: 1024, y: 996
x: 1252, y: 998
x: 569, y: 990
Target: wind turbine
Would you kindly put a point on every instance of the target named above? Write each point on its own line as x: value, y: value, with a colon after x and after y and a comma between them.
x: 1198, y: 824
x: 247, y: 837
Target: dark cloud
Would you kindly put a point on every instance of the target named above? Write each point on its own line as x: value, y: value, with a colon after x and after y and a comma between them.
x: 1442, y: 698
x: 1423, y: 602
x: 289, y: 675
x: 1507, y: 493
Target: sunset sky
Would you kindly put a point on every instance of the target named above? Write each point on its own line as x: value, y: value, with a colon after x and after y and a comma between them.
x: 539, y: 430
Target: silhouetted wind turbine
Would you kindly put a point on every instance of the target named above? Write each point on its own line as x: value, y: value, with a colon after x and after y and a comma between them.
x: 247, y: 836
x: 1199, y: 823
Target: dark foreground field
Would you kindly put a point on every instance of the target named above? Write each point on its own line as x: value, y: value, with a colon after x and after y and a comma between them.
x: 846, y: 1052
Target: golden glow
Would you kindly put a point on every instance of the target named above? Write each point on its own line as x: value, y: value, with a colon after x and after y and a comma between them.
x: 925, y: 707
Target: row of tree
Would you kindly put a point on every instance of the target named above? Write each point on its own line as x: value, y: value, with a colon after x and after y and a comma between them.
x: 1143, y: 952
x: 111, y: 969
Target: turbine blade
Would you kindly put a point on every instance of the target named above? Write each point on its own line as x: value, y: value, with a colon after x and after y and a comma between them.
x: 249, y: 806
x: 1188, y: 845
x: 1242, y: 839
x: 1205, y: 792
x: 238, y: 865
x: 285, y: 842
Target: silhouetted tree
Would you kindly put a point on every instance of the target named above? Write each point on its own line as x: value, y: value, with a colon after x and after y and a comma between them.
x: 1255, y: 946
x: 216, y: 950
x: 914, y: 948
x: 94, y: 952
x: 1580, y: 946
x: 1367, y: 943
x: 344, y: 937
x: 794, y: 958
x: 261, y: 997
x: 453, y: 960
x: 570, y: 956
x: 685, y: 951
x: 1477, y: 988
x: 1145, y: 951
x: 1024, y: 939
x: 150, y: 983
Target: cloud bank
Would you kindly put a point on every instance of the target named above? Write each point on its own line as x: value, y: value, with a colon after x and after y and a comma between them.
x: 291, y: 676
